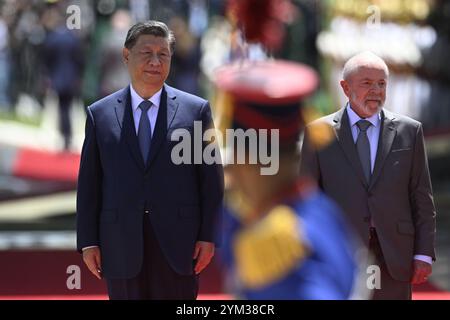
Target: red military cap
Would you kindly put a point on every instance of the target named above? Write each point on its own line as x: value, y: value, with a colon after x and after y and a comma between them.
x: 265, y: 95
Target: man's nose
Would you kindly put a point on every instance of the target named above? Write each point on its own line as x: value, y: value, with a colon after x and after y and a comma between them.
x: 378, y: 86
x: 153, y: 59
x: 376, y: 89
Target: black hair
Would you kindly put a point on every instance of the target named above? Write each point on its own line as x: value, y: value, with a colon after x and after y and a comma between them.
x: 152, y: 27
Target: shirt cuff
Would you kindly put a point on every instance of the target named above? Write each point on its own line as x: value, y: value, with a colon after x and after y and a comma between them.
x: 85, y: 248
x: 423, y: 258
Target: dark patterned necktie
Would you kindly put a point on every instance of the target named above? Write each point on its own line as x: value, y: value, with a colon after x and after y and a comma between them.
x: 144, y: 130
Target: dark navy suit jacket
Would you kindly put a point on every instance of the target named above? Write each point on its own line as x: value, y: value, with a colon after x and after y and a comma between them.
x: 115, y: 187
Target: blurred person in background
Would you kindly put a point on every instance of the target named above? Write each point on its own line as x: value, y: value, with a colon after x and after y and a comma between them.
x: 376, y: 169
x: 185, y: 70
x: 26, y: 35
x: 62, y: 54
x: 113, y: 73
x: 5, y: 103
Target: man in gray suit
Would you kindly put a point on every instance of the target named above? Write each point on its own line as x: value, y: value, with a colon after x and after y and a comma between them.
x: 374, y: 165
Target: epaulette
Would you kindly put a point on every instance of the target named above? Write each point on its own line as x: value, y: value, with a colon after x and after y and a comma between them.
x: 270, y: 249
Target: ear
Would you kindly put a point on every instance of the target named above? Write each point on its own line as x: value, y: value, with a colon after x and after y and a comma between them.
x: 125, y: 54
x: 345, y: 88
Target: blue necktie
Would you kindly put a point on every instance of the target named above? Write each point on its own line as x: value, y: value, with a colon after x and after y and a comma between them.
x: 363, y: 147
x: 144, y: 130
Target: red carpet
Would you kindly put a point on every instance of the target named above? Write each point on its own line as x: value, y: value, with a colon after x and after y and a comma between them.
x: 429, y: 291
x: 42, y: 275
x: 98, y: 297
x: 45, y: 165
x: 432, y: 293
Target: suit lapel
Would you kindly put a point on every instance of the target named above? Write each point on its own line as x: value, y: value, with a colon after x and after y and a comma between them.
x: 345, y: 139
x: 125, y: 118
x: 387, y: 136
x: 167, y: 110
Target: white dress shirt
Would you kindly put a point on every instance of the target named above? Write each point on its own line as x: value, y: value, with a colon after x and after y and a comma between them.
x: 152, y: 113
x: 373, y: 134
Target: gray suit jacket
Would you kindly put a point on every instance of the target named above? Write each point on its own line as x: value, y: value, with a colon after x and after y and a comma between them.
x: 399, y: 195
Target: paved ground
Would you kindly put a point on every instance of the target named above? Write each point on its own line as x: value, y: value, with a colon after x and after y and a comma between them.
x: 46, y: 136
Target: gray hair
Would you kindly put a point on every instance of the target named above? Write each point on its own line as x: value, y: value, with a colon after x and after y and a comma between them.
x: 365, y: 58
x: 152, y: 27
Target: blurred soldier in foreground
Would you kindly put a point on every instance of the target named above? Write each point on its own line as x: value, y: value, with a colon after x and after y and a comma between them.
x: 283, y: 238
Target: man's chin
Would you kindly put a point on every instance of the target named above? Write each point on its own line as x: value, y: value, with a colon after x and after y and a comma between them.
x: 154, y: 81
x: 374, y: 106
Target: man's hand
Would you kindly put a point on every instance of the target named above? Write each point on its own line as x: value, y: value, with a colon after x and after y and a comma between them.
x: 204, y: 251
x: 421, y: 271
x: 92, y: 259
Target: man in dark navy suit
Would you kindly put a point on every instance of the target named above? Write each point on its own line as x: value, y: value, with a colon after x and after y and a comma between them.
x: 145, y: 223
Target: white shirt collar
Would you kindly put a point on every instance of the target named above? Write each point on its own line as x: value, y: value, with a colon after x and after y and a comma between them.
x: 136, y: 99
x: 375, y: 119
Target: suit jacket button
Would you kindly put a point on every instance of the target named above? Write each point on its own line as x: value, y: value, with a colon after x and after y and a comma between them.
x: 147, y: 211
